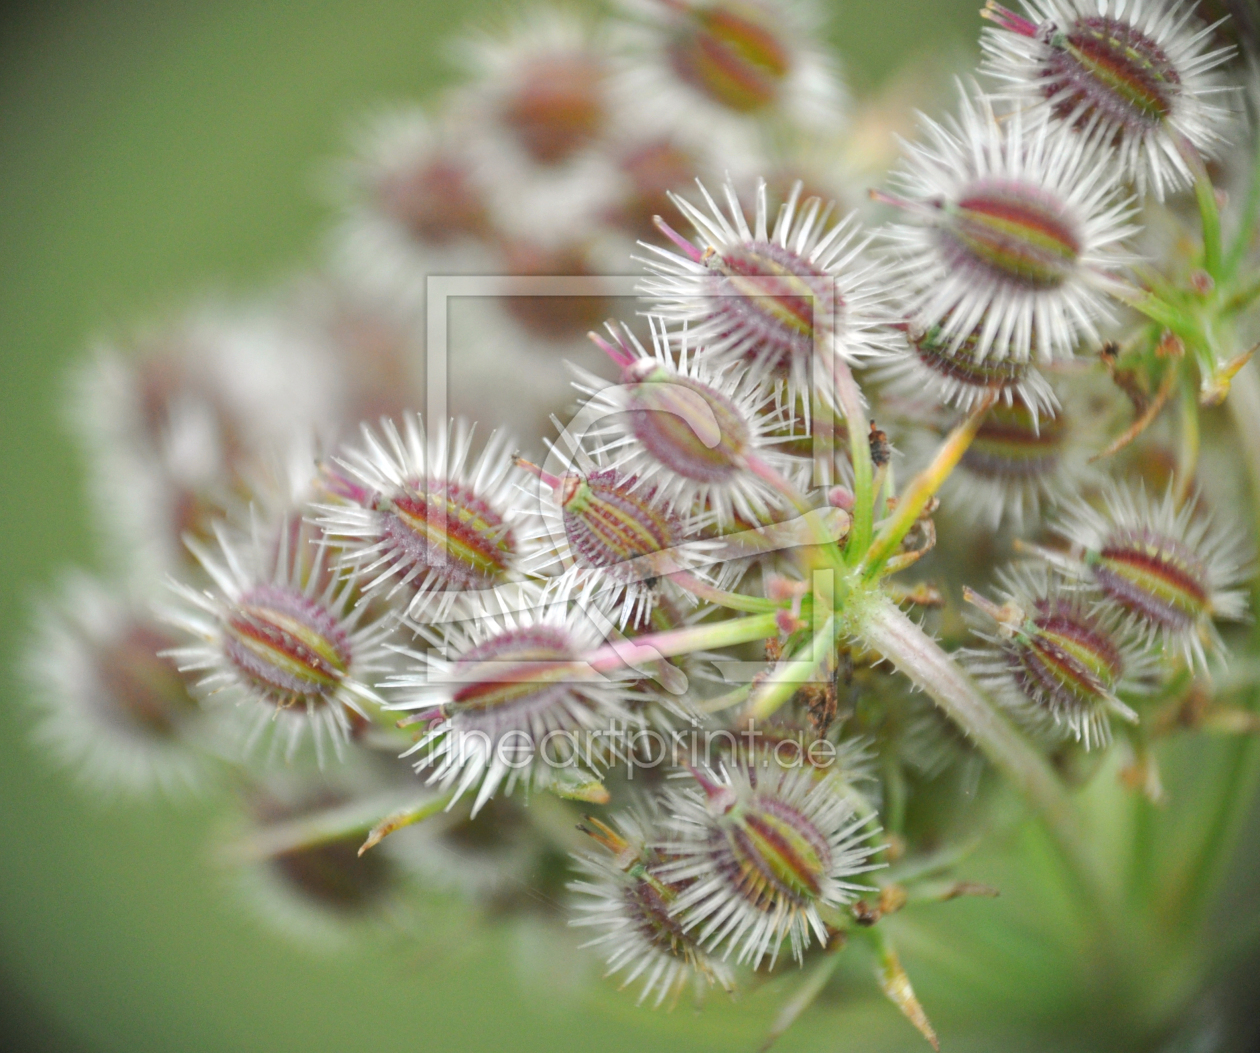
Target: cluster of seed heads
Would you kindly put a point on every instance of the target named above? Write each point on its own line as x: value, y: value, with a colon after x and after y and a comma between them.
x: 316, y: 580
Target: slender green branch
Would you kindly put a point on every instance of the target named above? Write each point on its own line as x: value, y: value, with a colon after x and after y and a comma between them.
x: 788, y: 676
x: 319, y: 828
x: 1154, y: 307
x: 682, y: 641
x: 1244, y: 405
x: 1251, y: 213
x: 855, y: 418
x: 425, y: 808
x: 889, y: 632
x: 921, y: 489
x: 1188, y: 453
x: 734, y: 601
x: 1237, y: 793
x: 726, y: 700
x: 774, y: 478
x: 1205, y: 195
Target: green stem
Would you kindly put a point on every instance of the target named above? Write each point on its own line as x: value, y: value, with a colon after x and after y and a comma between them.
x: 1251, y: 212
x: 1188, y: 454
x: 734, y: 601
x: 1238, y: 791
x: 319, y: 828
x: 1155, y: 308
x: 1205, y: 195
x: 425, y: 808
x: 724, y: 701
x: 920, y: 491
x: 850, y: 399
x: 789, y: 675
x: 682, y: 641
x: 1243, y: 298
x: 771, y: 476
x: 889, y: 632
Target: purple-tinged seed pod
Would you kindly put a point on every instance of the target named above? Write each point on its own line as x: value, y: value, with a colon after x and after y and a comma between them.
x: 1056, y: 657
x: 765, y: 853
x: 1141, y: 76
x: 1172, y: 569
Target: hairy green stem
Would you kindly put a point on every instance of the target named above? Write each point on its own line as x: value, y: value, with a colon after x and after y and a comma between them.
x: 889, y: 632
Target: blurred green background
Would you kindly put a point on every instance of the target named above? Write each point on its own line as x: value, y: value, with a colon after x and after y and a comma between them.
x: 151, y: 150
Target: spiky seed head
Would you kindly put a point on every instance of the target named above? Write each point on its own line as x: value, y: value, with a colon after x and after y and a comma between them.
x: 436, y: 201
x: 622, y: 896
x: 1156, y: 576
x: 957, y: 376
x: 691, y: 427
x: 506, y: 698
x: 1022, y: 460
x: 1139, y: 75
x: 1014, y: 442
x: 722, y: 72
x: 1063, y: 659
x: 1173, y: 568
x: 292, y: 648
x: 518, y: 668
x: 605, y: 533
x: 113, y: 707
x: 761, y: 851
x: 773, y: 301
x: 1106, y: 66
x: 538, y: 87
x: 1011, y: 227
x: 1057, y: 657
x: 556, y: 107
x: 683, y: 427
x: 414, y: 515
x: 732, y: 52
x: 280, y: 632
x: 1017, y: 233
x: 610, y: 521
x: 179, y: 426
